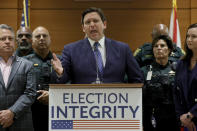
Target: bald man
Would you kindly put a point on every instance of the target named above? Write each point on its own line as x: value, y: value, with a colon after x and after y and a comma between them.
x: 24, y: 41
x: 41, y: 59
x: 144, y: 54
x: 159, y: 29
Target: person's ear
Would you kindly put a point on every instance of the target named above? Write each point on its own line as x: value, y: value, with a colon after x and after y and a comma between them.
x: 105, y: 24
x: 83, y: 28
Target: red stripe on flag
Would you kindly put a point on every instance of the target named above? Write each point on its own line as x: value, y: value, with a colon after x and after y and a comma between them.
x: 106, y: 124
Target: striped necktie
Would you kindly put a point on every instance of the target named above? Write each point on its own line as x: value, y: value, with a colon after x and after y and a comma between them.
x: 99, y: 60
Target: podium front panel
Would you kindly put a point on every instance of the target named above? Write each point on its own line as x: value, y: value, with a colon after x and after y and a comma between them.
x: 95, y: 107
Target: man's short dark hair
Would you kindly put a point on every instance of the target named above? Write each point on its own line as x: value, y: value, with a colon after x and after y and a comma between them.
x: 93, y: 9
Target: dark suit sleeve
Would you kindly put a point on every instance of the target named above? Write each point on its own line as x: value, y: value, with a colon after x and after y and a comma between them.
x: 134, y: 73
x: 193, y: 110
x: 66, y: 64
x: 25, y: 101
x: 179, y: 101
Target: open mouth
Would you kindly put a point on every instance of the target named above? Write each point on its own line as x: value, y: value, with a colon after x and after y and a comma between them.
x: 93, y: 31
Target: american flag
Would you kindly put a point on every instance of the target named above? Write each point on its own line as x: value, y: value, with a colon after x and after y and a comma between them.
x: 22, y: 21
x: 26, y: 14
x: 95, y: 124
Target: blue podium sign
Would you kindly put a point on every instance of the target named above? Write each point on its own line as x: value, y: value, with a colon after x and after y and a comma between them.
x: 95, y: 107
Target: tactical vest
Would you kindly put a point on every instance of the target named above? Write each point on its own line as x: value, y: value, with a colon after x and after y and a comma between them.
x: 158, y: 85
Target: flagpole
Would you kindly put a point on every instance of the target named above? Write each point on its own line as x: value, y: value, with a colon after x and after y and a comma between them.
x: 26, y: 12
x: 29, y: 12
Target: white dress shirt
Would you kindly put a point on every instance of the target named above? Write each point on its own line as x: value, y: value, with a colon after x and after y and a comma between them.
x: 6, y: 69
x: 101, y: 48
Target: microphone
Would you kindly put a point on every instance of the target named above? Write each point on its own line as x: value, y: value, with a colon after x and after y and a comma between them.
x: 98, y: 81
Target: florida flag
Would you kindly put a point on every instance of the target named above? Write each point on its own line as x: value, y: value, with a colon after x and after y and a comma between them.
x: 174, y: 25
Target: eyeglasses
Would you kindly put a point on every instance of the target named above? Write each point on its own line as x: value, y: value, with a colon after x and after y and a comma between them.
x: 3, y: 39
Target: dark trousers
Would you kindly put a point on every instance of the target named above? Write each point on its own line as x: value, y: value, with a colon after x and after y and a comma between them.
x: 40, y: 116
x: 165, y: 118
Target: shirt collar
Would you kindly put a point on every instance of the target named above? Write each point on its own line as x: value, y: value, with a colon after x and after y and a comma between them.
x: 9, y: 60
x: 101, y: 42
x: 48, y: 57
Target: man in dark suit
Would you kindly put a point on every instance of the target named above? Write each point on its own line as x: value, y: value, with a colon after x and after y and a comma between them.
x: 17, y: 89
x: 96, y: 59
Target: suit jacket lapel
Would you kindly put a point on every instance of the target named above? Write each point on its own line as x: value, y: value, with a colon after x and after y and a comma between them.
x: 89, y: 53
x: 184, y: 81
x: 15, y: 65
x: 112, y: 52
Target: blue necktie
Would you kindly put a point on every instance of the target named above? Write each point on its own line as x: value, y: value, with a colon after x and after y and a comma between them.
x: 99, y: 60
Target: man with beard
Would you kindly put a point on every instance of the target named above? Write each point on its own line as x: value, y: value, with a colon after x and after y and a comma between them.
x: 24, y: 41
x: 41, y: 59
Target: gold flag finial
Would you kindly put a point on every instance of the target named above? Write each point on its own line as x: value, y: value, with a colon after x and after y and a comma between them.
x: 174, y: 5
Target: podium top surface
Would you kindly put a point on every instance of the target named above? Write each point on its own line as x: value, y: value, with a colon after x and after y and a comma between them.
x: 135, y: 85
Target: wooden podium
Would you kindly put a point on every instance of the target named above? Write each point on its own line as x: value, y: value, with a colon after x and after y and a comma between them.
x: 95, y: 107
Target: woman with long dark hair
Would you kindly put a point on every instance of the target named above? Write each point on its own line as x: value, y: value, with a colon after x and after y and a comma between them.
x: 185, y: 89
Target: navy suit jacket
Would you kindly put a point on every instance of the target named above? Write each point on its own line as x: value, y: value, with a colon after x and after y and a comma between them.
x: 79, y: 63
x: 185, y: 90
